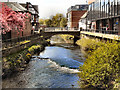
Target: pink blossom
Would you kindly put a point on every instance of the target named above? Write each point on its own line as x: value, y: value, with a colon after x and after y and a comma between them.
x: 10, y: 19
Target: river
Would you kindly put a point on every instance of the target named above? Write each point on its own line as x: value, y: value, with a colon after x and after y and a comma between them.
x: 56, y: 67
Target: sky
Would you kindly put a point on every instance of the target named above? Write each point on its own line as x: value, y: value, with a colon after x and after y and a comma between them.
x: 47, y: 8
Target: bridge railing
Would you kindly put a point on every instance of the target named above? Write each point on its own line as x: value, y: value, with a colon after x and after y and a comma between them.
x: 52, y: 29
x: 115, y: 32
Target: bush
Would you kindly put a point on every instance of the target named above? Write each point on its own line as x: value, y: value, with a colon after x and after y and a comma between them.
x: 24, y: 42
x: 102, y: 67
x: 16, y: 61
x: 67, y: 38
x: 89, y: 44
x: 35, y: 49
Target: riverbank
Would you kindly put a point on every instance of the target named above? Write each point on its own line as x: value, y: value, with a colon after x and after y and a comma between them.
x: 102, y: 66
x: 55, y: 67
x: 18, y: 61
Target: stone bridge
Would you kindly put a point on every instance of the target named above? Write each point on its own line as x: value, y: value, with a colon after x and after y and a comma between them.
x: 49, y: 34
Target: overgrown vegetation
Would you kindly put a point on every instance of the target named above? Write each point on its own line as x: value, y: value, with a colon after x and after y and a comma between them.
x: 16, y: 62
x: 89, y: 45
x: 67, y: 38
x: 24, y: 42
x: 102, y: 67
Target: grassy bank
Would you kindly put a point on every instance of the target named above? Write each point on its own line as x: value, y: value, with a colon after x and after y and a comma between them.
x: 18, y: 61
x: 102, y: 66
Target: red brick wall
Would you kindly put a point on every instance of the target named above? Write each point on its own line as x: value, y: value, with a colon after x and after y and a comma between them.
x: 26, y: 31
x: 76, y: 15
x: 28, y: 28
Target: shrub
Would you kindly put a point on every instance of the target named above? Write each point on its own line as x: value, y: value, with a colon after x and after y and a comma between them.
x: 67, y: 38
x: 35, y: 48
x: 89, y: 44
x: 15, y: 61
x: 102, y: 67
x: 24, y: 42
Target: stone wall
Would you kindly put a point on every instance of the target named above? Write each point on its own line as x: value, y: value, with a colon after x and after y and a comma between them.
x: 19, y: 47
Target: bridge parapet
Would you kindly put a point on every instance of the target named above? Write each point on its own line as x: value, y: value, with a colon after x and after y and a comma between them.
x: 54, y: 29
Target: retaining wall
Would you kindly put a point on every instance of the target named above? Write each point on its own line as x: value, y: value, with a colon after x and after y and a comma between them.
x: 19, y: 47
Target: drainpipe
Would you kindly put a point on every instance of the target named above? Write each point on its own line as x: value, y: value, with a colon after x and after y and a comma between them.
x: 27, y: 5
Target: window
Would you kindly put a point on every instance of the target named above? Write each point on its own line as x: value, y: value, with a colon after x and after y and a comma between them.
x: 77, y: 7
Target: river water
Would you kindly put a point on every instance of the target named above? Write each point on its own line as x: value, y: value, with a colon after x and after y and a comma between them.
x: 55, y: 67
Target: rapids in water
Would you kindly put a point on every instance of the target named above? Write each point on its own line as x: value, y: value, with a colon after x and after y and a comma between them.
x: 55, y: 67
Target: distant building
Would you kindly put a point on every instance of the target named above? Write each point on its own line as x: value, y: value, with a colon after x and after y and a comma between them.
x: 105, y: 15
x: 13, y: 33
x: 74, y: 13
x: 34, y: 12
x: 83, y: 23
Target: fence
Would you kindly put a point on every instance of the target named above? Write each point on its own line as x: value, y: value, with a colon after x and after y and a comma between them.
x: 102, y: 31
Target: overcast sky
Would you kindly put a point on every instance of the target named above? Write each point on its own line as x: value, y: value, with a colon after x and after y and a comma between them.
x: 48, y: 8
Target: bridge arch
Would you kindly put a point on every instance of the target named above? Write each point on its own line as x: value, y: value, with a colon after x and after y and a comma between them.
x: 49, y: 34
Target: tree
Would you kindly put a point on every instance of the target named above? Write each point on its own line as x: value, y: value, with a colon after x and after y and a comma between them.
x: 11, y: 20
x: 63, y: 22
x: 56, y: 20
x: 48, y: 22
x: 41, y: 21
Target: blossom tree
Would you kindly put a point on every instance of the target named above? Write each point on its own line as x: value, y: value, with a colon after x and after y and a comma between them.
x: 11, y: 20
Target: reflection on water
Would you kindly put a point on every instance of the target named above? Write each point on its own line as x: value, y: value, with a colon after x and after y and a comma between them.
x: 59, y: 71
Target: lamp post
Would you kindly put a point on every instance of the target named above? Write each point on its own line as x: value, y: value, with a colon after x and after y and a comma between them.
x: 86, y: 15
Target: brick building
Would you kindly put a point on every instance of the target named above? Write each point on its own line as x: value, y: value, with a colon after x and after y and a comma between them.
x: 74, y: 13
x: 13, y: 33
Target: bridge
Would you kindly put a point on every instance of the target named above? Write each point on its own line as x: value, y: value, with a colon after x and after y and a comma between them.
x: 49, y: 32
x: 110, y: 34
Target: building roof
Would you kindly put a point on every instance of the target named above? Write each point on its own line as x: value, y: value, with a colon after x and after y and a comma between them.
x: 78, y: 7
x: 36, y: 7
x: 15, y: 6
x: 31, y: 7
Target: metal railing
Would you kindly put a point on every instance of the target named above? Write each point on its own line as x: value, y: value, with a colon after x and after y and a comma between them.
x: 53, y: 29
x: 104, y: 31
x: 115, y: 32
